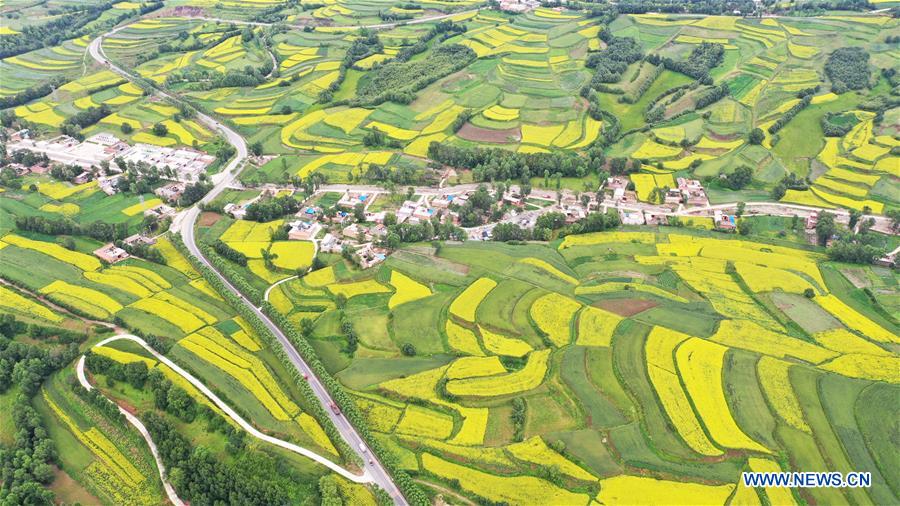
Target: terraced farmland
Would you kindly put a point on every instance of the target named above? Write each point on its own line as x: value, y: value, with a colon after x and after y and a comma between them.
x: 640, y: 365
x: 572, y: 378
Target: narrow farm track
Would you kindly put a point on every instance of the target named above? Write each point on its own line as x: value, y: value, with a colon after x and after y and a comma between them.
x: 184, y: 223
x: 244, y: 424
x: 133, y: 420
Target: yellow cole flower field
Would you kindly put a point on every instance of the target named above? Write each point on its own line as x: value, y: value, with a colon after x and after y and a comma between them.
x: 512, y: 489
x: 357, y: 288
x: 596, y: 327
x: 86, y: 300
x: 700, y: 367
x: 774, y: 376
x: 854, y: 320
x: 553, y: 314
x: 466, y: 303
x: 471, y: 367
x: 536, y: 451
x: 419, y: 421
x: 407, y: 290
x: 9, y: 299
x: 546, y: 266
x: 502, y: 345
x: 122, y: 357
x: 245, y: 368
x: 660, y: 351
x: 527, y: 378
x: 463, y: 340
x: 80, y: 260
x: 643, y: 490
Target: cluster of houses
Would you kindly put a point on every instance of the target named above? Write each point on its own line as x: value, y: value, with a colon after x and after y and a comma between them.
x: 110, y: 253
x: 688, y: 192
x: 519, y: 6
x: 101, y: 149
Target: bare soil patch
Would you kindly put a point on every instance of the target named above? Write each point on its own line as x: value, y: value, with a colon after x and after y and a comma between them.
x: 471, y: 132
x: 208, y: 219
x: 626, y: 307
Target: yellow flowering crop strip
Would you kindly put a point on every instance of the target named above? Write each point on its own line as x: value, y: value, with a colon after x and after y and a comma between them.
x: 381, y: 417
x: 659, y: 349
x: 174, y: 258
x: 553, y: 314
x: 843, y: 341
x: 596, y: 327
x: 774, y: 377
x: 315, y: 431
x: 512, y: 489
x: 871, y: 367
x: 466, y: 304
x: 541, y: 264
x: 187, y: 306
x: 490, y: 456
x: 769, y: 279
x: 463, y: 340
x: 321, y: 277
x: 700, y: 365
x: 357, y: 288
x: 122, y: 357
x: 151, y: 280
x: 182, y: 319
x: 647, y: 491
x: 536, y: 451
x: 419, y: 421
x: 292, y: 255
x: 420, y: 385
x: 856, y: 321
x: 140, y: 207
x: 502, y: 345
x: 471, y: 367
x: 11, y: 300
x: 91, y: 297
x: 80, y: 260
x: 620, y: 286
x: 204, y: 287
x: 244, y: 367
x: 119, y: 466
x: 734, y: 333
x: 281, y: 301
x: 118, y: 281
x: 407, y: 289
x: 474, y: 426
x: 527, y: 378
x: 595, y: 238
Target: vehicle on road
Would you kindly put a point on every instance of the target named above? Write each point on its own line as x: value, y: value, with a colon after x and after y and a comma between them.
x: 335, y: 409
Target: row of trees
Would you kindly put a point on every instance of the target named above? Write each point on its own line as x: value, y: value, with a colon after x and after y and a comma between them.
x: 408, y: 487
x: 495, y: 164
x: 702, y: 59
x: 555, y: 222
x: 26, y: 465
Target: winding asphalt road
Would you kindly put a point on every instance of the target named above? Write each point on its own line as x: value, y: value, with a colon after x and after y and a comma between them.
x: 184, y: 223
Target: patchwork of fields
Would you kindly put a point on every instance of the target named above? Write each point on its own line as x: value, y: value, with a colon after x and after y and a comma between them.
x: 523, y: 91
x: 645, y: 365
x: 667, y: 367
